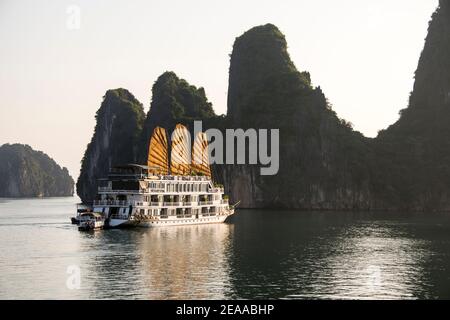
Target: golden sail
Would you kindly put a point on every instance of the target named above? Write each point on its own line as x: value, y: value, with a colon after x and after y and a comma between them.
x: 180, y: 156
x: 158, y: 157
x: 200, y: 156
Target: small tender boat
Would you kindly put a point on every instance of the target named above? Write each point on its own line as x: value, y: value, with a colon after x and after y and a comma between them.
x: 81, y: 208
x: 91, y: 221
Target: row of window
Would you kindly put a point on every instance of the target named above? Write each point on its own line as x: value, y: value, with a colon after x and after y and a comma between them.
x: 179, y: 211
x: 158, y: 222
x: 187, y: 198
x: 179, y: 187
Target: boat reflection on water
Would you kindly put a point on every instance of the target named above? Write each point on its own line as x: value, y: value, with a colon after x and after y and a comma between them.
x: 266, y: 255
x: 259, y: 254
x: 187, y: 262
x: 183, y: 262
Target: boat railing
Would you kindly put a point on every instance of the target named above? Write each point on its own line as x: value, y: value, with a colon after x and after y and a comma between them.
x: 137, y: 176
x: 180, y: 216
x: 172, y: 203
x: 205, y: 202
x: 154, y: 204
x: 208, y: 214
x: 157, y: 204
x: 151, y: 190
x: 112, y: 203
x: 119, y: 216
x: 183, y: 178
x: 141, y: 203
x: 107, y: 189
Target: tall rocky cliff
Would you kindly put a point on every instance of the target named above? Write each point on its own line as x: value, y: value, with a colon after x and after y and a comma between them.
x: 25, y: 172
x: 322, y: 160
x: 123, y: 131
x: 174, y: 101
x: 414, y: 153
x: 119, y: 124
x: 324, y: 163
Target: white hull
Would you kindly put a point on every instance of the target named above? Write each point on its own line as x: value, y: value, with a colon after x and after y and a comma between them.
x: 117, y: 223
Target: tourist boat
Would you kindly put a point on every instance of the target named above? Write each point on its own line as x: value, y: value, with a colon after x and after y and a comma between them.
x: 160, y: 194
x: 91, y: 221
x: 81, y: 208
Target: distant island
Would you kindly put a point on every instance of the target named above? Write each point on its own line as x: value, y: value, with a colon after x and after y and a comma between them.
x: 324, y: 163
x: 25, y: 172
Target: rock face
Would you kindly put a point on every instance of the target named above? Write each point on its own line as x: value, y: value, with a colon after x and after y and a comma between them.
x: 259, y: 56
x: 414, y: 153
x: 119, y: 124
x: 322, y: 160
x: 324, y: 163
x: 123, y: 132
x: 174, y: 101
x: 25, y: 172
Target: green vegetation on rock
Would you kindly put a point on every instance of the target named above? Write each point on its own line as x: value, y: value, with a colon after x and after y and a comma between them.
x: 174, y: 101
x: 322, y: 160
x: 119, y: 124
x: 25, y: 172
x: 324, y: 163
x: 414, y: 153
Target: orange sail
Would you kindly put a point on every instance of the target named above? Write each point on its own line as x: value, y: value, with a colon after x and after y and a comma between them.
x: 180, y: 156
x: 200, y: 156
x: 158, y: 157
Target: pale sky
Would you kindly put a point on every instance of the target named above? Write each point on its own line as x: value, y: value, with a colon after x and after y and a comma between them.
x: 363, y: 53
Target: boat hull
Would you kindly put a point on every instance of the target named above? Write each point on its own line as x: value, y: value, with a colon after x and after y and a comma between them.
x: 154, y: 223
x: 74, y: 220
x: 181, y: 221
x: 91, y: 226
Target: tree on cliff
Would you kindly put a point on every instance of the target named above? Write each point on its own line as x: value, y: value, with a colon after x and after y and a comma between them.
x: 119, y: 125
x: 174, y: 101
x: 324, y: 163
x: 322, y: 160
x: 25, y: 172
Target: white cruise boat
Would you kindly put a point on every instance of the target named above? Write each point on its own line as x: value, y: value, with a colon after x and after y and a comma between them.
x: 158, y: 195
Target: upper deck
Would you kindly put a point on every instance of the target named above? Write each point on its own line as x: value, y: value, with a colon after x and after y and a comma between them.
x: 133, y: 179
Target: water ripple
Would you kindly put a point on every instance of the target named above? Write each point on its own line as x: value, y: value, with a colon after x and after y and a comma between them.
x: 259, y: 254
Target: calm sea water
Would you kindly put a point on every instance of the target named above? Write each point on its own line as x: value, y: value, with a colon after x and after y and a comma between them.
x: 257, y: 254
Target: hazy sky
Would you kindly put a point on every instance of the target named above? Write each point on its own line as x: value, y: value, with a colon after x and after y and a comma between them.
x: 363, y: 53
